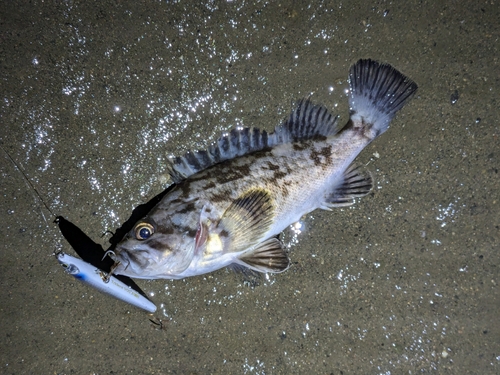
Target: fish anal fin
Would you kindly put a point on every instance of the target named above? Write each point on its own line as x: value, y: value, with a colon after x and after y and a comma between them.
x: 247, y: 219
x: 356, y: 183
x: 268, y: 256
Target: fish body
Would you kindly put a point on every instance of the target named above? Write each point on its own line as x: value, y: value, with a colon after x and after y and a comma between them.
x: 231, y: 201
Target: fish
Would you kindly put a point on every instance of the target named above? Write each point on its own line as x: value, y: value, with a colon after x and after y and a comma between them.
x: 229, y: 203
x: 107, y: 284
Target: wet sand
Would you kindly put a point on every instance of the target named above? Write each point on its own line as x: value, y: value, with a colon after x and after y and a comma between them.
x: 96, y: 97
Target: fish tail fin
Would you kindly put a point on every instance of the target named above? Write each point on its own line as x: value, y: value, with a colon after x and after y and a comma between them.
x: 378, y: 91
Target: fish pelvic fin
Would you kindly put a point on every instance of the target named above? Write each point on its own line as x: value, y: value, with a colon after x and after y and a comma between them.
x: 377, y: 92
x: 268, y: 256
x: 247, y: 219
x: 356, y: 183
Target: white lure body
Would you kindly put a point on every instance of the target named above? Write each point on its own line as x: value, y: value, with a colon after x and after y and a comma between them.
x: 93, y: 276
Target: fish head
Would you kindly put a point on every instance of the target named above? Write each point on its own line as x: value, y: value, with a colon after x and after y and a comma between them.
x: 152, y: 251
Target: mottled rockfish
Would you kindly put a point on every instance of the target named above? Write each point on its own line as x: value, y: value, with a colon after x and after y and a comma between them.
x: 231, y: 201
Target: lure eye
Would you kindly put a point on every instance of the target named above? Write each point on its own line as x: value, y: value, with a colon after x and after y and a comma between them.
x: 143, y: 231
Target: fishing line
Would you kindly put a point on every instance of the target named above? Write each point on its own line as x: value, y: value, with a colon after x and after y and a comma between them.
x: 30, y: 184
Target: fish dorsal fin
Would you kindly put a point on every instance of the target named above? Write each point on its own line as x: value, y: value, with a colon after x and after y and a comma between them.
x: 237, y: 143
x: 356, y: 183
x: 268, y: 256
x: 247, y: 219
x: 307, y: 121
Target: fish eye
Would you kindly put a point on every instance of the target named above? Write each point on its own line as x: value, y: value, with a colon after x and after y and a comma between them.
x: 143, y: 231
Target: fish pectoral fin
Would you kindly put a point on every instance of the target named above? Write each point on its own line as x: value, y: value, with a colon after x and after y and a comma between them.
x: 356, y: 183
x: 247, y: 219
x: 268, y: 256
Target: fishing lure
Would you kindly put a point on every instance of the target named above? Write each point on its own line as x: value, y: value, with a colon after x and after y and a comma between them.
x: 86, y: 272
x: 108, y: 284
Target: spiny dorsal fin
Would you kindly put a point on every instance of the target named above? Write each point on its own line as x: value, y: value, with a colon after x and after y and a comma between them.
x: 237, y: 143
x: 357, y: 182
x: 305, y: 122
x: 268, y: 256
x: 247, y: 219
